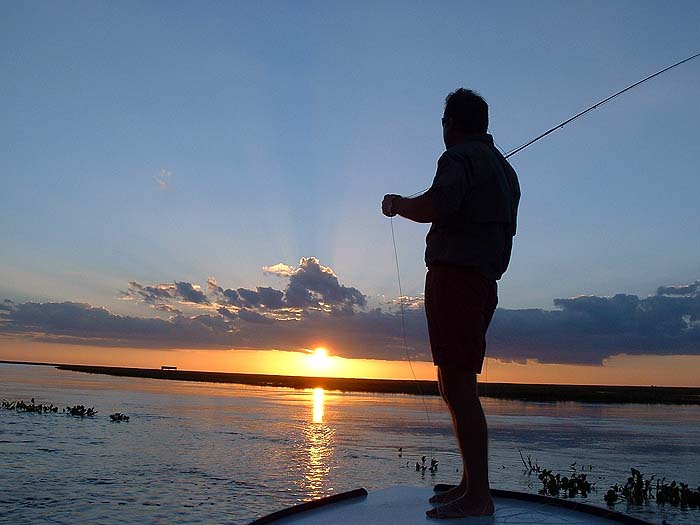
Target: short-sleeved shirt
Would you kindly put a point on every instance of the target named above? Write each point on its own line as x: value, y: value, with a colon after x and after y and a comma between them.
x: 475, y: 197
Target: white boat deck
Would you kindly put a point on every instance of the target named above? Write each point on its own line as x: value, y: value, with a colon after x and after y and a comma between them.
x: 406, y: 505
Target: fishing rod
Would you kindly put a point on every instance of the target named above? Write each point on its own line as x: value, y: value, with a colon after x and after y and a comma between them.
x: 597, y: 105
x: 588, y: 109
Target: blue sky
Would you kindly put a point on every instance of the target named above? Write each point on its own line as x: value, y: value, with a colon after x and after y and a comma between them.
x: 281, y: 126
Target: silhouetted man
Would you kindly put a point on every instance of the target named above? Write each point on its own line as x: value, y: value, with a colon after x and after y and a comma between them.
x: 472, y: 205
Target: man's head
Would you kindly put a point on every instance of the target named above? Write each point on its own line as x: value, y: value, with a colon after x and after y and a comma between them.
x: 466, y: 113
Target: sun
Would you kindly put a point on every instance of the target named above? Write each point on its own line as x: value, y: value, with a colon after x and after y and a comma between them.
x: 319, y: 358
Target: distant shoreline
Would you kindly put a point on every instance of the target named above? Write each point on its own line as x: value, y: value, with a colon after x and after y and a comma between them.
x: 513, y: 391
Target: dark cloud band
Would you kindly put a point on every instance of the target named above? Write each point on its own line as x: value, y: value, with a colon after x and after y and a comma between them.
x: 316, y: 309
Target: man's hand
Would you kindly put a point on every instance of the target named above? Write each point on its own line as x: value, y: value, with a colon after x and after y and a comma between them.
x: 388, y: 204
x: 417, y: 209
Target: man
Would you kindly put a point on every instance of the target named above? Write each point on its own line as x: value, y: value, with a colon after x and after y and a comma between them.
x: 472, y: 205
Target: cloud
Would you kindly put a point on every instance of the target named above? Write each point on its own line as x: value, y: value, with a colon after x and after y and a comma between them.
x: 588, y: 329
x: 85, y: 324
x: 312, y: 284
x: 153, y: 293
x: 315, y: 308
x: 264, y: 296
x: 228, y: 314
x: 163, y: 179
x: 167, y: 308
x: 279, y: 269
x: 253, y: 317
x: 190, y: 294
x: 6, y: 305
x: 685, y: 289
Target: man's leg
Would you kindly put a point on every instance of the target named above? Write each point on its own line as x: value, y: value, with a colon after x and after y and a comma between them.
x: 459, y: 388
x: 460, y: 489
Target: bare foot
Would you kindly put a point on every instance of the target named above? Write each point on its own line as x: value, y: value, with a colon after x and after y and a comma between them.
x: 450, y: 495
x: 463, y: 507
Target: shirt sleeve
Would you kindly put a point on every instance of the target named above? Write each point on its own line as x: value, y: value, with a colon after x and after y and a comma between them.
x: 449, y: 187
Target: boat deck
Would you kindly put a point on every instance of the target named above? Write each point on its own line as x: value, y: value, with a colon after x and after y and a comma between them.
x: 406, y: 505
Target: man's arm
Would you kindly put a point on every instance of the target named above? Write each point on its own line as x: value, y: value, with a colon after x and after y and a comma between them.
x: 418, y: 209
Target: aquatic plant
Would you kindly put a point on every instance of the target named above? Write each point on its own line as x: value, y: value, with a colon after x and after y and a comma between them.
x: 80, y: 411
x: 636, y: 490
x: 677, y: 494
x: 529, y: 466
x: 422, y: 467
x: 568, y: 486
x: 640, y: 491
x: 118, y: 417
x: 558, y: 484
x: 22, y: 406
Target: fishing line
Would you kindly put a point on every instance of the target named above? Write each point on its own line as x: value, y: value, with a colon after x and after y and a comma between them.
x: 507, y: 155
x: 403, y: 335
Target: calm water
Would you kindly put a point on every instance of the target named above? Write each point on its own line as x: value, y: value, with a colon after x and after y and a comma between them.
x: 207, y: 453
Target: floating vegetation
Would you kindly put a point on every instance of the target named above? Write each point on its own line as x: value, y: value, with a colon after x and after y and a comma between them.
x: 422, y: 467
x: 557, y: 484
x: 21, y: 406
x: 80, y: 411
x: 43, y: 408
x: 640, y: 491
x: 566, y: 486
x: 637, y: 490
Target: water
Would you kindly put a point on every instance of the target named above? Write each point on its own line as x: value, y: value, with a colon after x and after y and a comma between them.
x: 210, y: 453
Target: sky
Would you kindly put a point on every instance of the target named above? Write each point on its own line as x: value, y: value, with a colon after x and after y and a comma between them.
x: 199, y: 183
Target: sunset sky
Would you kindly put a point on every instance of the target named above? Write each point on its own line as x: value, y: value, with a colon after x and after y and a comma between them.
x: 199, y: 186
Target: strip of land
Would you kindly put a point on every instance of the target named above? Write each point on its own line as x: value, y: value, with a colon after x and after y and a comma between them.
x: 523, y: 392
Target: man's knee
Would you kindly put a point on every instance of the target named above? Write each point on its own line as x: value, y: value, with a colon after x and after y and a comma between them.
x: 456, y: 384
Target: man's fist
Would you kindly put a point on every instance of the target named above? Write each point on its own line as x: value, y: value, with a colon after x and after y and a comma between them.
x: 388, y: 204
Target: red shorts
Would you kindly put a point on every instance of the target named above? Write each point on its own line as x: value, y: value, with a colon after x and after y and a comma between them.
x: 459, y: 305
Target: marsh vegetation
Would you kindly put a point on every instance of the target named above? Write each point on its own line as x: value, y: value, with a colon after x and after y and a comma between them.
x: 50, y: 408
x: 637, y: 490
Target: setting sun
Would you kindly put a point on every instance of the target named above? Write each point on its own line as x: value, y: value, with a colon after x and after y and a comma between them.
x: 319, y: 358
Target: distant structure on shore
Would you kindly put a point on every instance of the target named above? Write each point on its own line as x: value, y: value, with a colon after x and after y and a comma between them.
x: 164, y: 367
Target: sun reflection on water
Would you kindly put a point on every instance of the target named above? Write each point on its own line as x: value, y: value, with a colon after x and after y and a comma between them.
x: 320, y: 446
x: 318, y: 405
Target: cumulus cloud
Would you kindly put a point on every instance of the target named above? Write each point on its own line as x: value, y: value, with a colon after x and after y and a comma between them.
x: 279, y: 269
x: 315, y: 308
x: 312, y: 284
x: 190, y: 294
